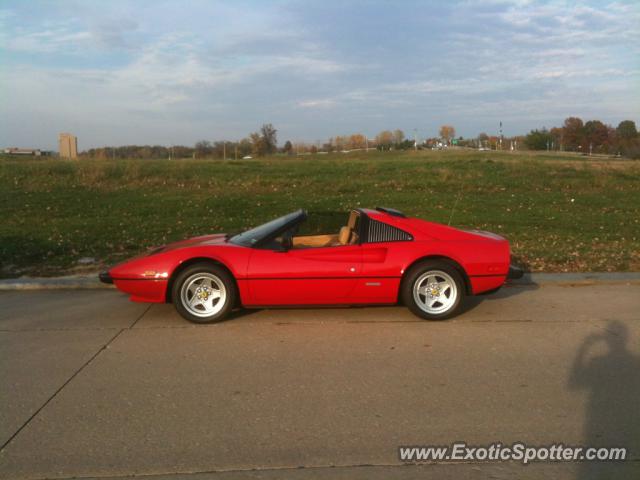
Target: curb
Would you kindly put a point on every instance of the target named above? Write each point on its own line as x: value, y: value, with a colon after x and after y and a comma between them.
x: 588, y: 278
x: 91, y: 281
x: 72, y: 282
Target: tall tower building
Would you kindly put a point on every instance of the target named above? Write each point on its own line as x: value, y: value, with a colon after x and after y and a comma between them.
x: 68, y: 145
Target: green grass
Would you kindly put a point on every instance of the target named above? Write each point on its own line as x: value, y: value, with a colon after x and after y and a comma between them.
x: 560, y: 213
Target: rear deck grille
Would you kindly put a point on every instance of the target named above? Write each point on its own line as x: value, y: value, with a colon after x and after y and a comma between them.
x: 381, y: 232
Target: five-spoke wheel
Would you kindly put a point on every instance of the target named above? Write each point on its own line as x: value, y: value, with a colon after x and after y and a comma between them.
x: 203, y: 293
x: 433, y: 289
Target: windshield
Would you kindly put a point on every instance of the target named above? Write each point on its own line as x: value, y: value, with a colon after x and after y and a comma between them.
x: 253, y: 236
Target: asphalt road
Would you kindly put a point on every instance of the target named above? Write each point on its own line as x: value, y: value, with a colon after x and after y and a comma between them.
x: 96, y: 386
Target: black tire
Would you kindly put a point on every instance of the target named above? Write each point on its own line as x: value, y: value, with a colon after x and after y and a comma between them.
x: 417, y: 273
x: 219, y: 277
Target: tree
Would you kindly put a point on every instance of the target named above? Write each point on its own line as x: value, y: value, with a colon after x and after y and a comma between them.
x: 269, y: 138
x: 627, y: 139
x: 245, y: 147
x: 203, y: 148
x: 357, y: 140
x: 447, y: 132
x: 257, y: 147
x: 398, y: 136
x: 538, y: 139
x: 596, y: 135
x: 340, y: 142
x: 557, y: 137
x: 573, y: 133
x: 627, y: 130
x: 384, y: 140
x: 288, y: 148
x: 265, y: 141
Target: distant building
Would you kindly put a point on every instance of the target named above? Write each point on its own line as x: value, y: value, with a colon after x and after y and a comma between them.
x: 34, y: 152
x: 68, y: 145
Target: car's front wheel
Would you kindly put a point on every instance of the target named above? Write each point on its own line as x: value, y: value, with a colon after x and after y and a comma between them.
x: 433, y: 290
x: 203, y: 293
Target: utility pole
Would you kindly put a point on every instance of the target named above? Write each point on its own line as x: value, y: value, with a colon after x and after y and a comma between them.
x: 415, y: 139
x: 366, y: 142
x: 500, y: 134
x: 224, y: 149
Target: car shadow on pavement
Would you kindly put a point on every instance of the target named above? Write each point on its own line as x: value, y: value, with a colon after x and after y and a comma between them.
x: 506, y: 291
x: 240, y: 313
x: 608, y: 372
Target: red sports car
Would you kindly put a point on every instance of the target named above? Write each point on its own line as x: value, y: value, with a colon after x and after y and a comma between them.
x: 378, y: 257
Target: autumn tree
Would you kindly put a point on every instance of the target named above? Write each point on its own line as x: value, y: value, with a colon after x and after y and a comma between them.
x: 384, y: 140
x: 357, y: 140
x: 447, y: 132
x: 596, y: 134
x: 573, y: 133
x: 398, y: 136
x: 557, y: 137
x: 340, y: 143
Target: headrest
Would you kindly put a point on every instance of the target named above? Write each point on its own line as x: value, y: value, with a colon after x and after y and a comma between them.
x: 343, y: 236
x: 352, y: 220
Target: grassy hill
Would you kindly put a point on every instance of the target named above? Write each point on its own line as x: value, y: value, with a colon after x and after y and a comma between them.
x: 561, y: 212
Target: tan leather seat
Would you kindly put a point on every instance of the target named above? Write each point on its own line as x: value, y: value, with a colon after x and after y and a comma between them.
x: 344, y: 235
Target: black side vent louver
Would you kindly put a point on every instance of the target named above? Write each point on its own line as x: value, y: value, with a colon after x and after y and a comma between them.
x: 381, y: 232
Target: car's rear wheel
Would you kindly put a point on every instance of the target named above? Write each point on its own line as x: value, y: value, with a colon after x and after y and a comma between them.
x: 433, y: 290
x: 203, y: 293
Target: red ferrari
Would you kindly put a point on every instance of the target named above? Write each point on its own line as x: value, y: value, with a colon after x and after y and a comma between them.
x: 378, y: 257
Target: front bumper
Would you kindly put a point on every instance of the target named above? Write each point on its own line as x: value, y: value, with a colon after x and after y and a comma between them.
x: 105, y: 277
x: 514, y: 272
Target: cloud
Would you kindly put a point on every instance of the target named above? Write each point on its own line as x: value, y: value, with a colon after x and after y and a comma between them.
x: 147, y: 72
x: 320, y: 103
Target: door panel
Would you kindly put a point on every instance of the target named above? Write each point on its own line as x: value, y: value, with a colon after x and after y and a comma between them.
x: 381, y: 274
x: 309, y: 276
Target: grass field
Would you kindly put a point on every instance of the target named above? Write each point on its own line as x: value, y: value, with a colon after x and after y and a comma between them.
x: 560, y: 213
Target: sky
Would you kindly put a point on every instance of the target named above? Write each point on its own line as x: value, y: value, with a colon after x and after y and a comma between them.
x: 176, y: 72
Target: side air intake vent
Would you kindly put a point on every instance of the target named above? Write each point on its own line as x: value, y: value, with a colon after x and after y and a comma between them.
x: 381, y: 232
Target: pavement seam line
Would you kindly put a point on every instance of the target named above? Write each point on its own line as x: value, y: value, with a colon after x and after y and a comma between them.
x: 299, y: 467
x: 140, y: 317
x: 74, y: 375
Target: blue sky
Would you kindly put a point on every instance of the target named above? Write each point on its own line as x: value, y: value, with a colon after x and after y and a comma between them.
x: 171, y: 72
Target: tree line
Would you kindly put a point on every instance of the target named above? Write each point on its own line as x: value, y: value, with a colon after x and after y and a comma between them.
x: 262, y: 142
x: 588, y: 137
x: 574, y: 135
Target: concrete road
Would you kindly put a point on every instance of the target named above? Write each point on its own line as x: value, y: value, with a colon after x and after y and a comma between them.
x: 96, y: 386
